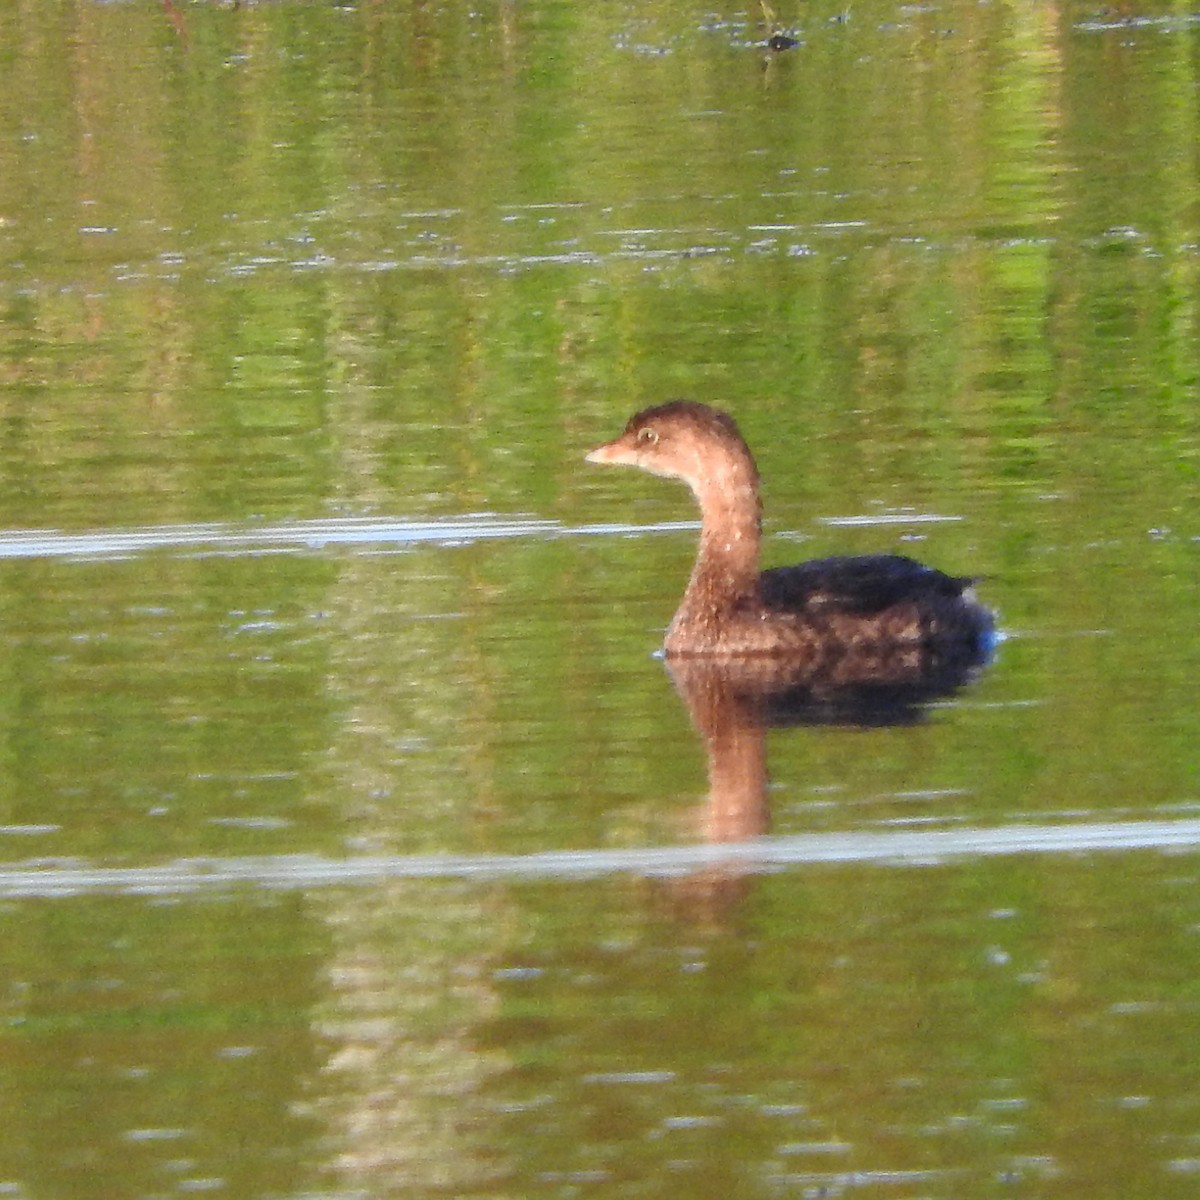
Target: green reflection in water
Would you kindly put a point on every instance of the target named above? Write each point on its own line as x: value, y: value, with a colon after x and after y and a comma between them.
x: 285, y: 261
x: 152, y: 1047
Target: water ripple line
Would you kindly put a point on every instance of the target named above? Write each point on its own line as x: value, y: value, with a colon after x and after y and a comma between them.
x: 310, y: 536
x: 908, y: 848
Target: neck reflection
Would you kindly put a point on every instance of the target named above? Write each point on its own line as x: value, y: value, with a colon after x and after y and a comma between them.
x: 734, y: 701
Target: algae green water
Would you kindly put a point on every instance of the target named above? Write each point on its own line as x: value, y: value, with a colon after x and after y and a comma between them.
x: 352, y: 842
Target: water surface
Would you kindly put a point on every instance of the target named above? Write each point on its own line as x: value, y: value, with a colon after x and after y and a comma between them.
x: 353, y: 842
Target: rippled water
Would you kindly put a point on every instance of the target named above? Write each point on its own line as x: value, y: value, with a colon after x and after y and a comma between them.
x: 297, y: 535
x: 354, y: 841
x: 911, y: 847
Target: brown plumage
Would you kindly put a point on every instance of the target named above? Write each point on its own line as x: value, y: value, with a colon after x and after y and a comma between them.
x: 821, y: 611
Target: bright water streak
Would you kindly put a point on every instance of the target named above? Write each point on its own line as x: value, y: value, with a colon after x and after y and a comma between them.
x: 905, y: 848
x: 299, y: 535
x: 222, y: 538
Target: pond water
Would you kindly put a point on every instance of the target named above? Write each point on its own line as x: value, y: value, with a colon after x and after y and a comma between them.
x: 353, y: 840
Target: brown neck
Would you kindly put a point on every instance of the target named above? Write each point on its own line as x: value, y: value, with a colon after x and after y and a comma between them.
x: 726, y: 569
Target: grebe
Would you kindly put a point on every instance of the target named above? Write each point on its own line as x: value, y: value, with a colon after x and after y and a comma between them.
x: 819, y: 610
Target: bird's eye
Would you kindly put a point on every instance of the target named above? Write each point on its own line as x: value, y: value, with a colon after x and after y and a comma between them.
x: 647, y: 436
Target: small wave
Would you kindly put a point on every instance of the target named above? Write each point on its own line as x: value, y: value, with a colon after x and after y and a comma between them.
x: 910, y: 848
x: 297, y: 536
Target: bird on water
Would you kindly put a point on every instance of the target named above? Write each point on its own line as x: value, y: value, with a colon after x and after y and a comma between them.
x: 817, y: 611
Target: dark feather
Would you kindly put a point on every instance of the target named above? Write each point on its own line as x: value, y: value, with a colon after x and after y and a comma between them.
x: 860, y: 584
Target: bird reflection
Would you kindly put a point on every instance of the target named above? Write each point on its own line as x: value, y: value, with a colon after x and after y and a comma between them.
x: 734, y: 701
